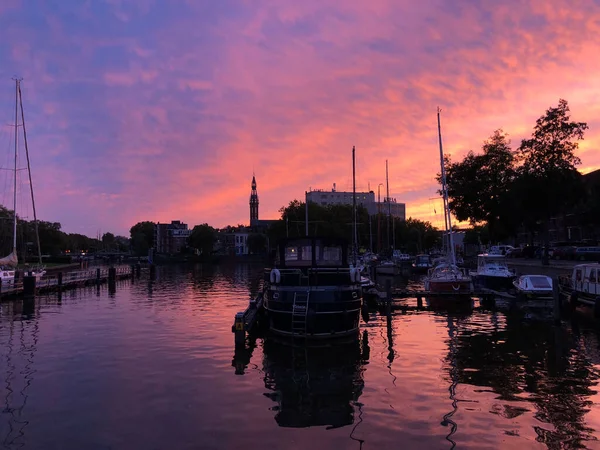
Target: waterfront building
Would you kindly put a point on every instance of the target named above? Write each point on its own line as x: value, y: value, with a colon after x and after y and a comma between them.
x: 171, y: 238
x: 366, y: 199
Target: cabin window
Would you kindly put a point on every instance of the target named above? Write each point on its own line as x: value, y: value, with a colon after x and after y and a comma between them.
x: 578, y: 275
x: 593, y: 276
x: 330, y: 255
x: 540, y: 282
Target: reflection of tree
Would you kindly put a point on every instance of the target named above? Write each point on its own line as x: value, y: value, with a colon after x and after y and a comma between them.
x: 538, y: 359
x: 315, y: 386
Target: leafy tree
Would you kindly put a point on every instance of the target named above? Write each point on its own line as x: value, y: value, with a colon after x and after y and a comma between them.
x: 108, y: 240
x: 479, y: 187
x: 203, y: 238
x: 142, y: 237
x: 257, y: 243
x: 549, y: 182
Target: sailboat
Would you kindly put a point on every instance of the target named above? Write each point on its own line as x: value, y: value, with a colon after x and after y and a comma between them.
x: 446, y: 276
x: 9, y: 263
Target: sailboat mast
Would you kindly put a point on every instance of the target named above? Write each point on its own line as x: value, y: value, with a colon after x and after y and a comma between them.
x: 35, y: 221
x: 354, y: 235
x: 387, y: 184
x: 447, y: 216
x: 15, y: 168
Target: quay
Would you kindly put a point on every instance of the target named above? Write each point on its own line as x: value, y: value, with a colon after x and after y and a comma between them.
x: 26, y: 285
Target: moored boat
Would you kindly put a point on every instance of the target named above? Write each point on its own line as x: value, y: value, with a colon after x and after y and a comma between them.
x: 448, y: 277
x: 493, y: 272
x: 445, y: 276
x: 537, y: 287
x: 313, y: 292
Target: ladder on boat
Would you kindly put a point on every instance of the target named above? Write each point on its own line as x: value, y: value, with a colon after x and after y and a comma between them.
x: 299, y: 312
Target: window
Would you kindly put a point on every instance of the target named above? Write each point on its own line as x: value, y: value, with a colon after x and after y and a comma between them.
x: 578, y: 275
x: 593, y: 276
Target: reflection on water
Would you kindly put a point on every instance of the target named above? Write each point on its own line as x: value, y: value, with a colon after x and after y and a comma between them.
x: 149, y: 364
x: 315, y: 385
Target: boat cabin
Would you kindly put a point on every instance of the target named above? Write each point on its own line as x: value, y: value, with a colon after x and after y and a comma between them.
x: 585, y: 279
x: 312, y: 252
x: 491, y: 263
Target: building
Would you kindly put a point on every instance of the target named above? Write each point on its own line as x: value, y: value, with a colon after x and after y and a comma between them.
x: 253, y: 202
x: 365, y: 199
x: 171, y: 237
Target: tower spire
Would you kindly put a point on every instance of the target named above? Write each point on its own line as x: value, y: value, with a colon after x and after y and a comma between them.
x: 253, y: 201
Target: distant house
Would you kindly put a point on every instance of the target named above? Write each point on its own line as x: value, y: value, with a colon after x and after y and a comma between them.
x: 171, y: 238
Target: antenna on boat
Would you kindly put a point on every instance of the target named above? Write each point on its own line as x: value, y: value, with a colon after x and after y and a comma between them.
x: 447, y: 217
x: 35, y: 221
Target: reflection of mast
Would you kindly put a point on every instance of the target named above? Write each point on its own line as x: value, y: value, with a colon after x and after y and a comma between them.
x: 16, y: 424
x: 453, y: 372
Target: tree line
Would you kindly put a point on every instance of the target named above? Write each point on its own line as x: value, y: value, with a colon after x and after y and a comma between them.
x: 508, y: 190
x: 53, y: 241
x: 410, y: 235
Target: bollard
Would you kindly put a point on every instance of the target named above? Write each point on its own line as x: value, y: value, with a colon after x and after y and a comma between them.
x: 239, y: 329
x: 556, y: 297
x: 98, y: 275
x: 29, y: 286
x: 388, y: 299
x: 59, y: 280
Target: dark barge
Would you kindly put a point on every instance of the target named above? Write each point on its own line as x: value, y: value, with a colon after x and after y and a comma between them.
x: 312, y: 291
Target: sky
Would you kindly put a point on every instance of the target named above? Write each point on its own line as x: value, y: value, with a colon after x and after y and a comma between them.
x: 162, y: 110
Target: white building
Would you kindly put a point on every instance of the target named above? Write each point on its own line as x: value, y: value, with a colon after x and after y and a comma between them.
x: 241, y: 243
x: 366, y: 199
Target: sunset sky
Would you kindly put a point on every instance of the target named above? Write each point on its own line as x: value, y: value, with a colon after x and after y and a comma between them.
x: 161, y: 110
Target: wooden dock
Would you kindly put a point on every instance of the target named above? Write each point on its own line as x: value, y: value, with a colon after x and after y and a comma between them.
x: 29, y: 285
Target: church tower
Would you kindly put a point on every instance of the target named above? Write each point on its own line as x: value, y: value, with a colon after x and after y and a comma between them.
x: 253, y: 202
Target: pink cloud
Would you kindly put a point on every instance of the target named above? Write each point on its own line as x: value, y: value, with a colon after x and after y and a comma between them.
x: 168, y: 115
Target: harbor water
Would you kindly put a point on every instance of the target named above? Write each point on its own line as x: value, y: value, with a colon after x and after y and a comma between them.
x: 152, y: 365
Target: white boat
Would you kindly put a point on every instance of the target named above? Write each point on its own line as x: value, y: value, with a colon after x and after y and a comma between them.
x: 534, y: 287
x: 387, y: 268
x: 422, y: 263
x: 582, y: 286
x: 446, y: 276
x: 9, y: 263
x: 493, y: 272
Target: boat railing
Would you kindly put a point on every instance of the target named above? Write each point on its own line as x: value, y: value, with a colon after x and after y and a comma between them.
x: 321, y: 276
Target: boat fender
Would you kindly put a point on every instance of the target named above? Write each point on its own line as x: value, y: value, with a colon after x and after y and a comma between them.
x: 275, y: 276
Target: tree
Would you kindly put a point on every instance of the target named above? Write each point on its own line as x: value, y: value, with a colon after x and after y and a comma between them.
x: 203, y: 238
x: 108, y: 240
x: 257, y: 243
x: 549, y: 182
x: 479, y: 187
x: 142, y: 237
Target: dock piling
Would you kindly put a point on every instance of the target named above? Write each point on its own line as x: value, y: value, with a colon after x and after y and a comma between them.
x: 59, y: 280
x: 29, y: 286
x: 138, y: 269
x: 240, y: 331
x: 98, y: 275
x: 556, y: 297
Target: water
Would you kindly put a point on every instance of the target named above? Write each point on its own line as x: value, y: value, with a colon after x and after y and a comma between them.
x: 152, y: 366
